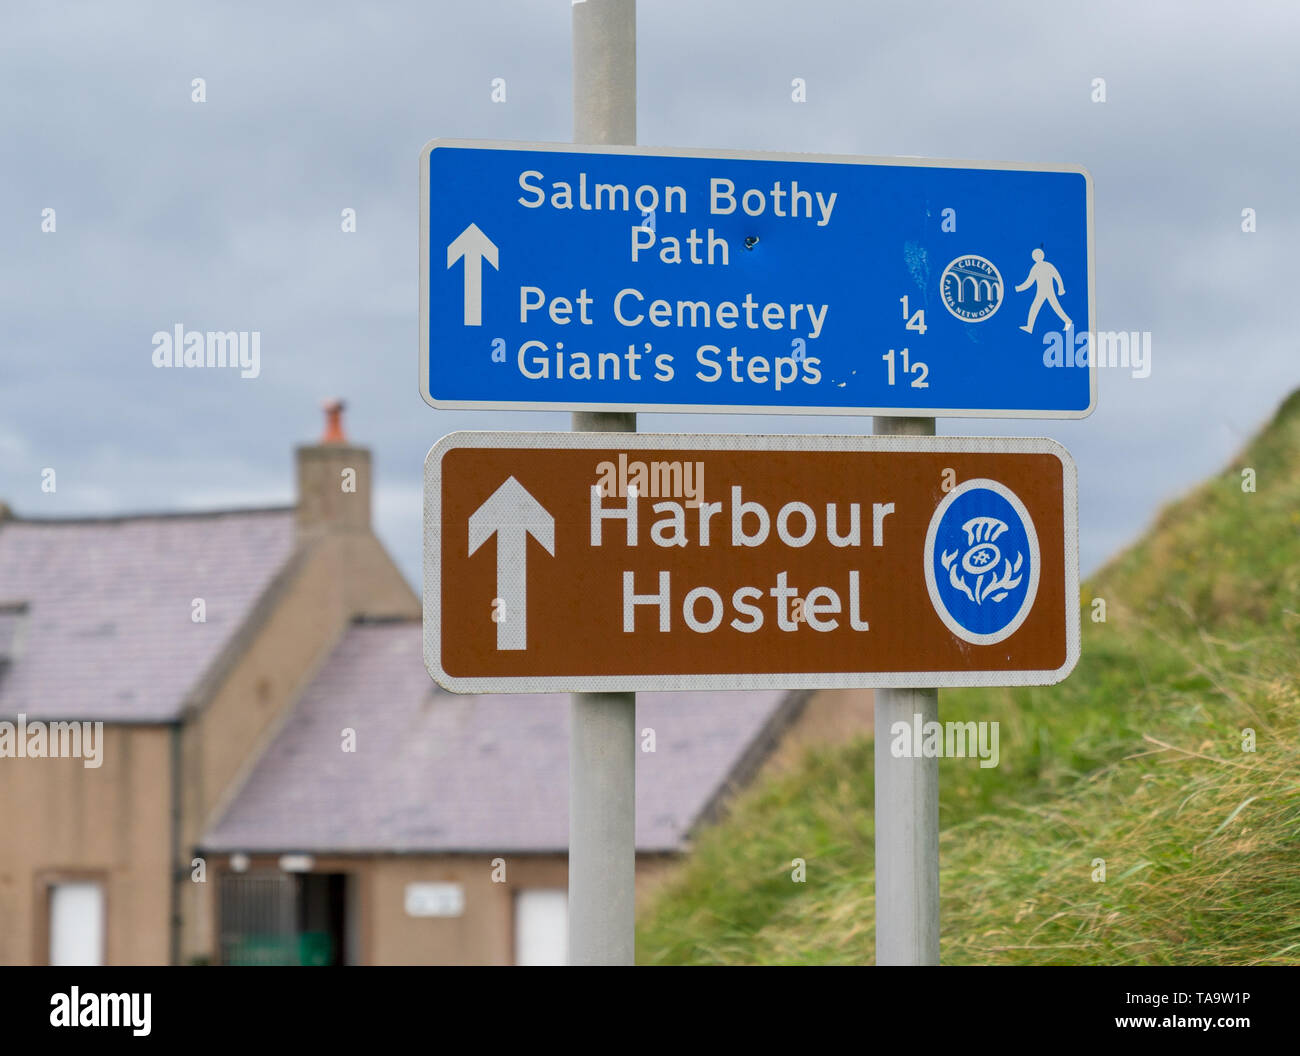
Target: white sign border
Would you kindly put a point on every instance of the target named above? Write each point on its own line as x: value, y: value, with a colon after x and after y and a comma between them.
x: 742, y: 155
x: 432, y: 618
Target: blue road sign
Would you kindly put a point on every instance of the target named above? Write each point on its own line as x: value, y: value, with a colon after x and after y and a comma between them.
x: 624, y: 278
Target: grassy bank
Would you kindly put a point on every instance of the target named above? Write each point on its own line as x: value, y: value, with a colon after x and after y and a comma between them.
x: 1136, y: 759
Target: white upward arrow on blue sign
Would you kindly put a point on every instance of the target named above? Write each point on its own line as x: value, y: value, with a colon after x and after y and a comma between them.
x: 679, y: 280
x: 473, y: 247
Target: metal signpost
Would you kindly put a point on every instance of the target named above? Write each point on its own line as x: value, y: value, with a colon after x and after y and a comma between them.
x: 606, y: 279
x: 602, y: 725
x: 906, y: 808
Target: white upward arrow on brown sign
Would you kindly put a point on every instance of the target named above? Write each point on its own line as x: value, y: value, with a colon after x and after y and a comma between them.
x: 512, y: 515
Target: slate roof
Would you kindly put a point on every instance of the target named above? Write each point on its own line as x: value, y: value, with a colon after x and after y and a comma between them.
x: 439, y: 772
x: 108, y: 632
x: 13, y: 618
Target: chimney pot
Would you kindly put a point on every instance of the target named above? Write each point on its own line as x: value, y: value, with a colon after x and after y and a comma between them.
x: 333, y: 422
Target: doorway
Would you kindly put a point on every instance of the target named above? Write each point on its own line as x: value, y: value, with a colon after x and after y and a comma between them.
x: 270, y: 917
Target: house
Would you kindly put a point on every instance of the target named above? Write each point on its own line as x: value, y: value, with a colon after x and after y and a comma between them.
x: 245, y: 761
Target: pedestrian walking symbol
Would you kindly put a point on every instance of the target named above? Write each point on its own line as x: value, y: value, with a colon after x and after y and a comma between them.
x: 1048, y: 286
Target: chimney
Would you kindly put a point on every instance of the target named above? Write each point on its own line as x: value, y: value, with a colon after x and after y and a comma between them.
x: 333, y: 480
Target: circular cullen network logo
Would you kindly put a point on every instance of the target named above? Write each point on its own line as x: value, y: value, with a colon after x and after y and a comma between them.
x: 971, y: 288
x: 982, y: 561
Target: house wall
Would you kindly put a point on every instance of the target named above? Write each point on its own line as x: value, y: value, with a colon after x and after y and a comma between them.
x: 339, y: 576
x: 482, y: 935
x: 60, y: 820
x: 828, y: 717
x: 831, y: 716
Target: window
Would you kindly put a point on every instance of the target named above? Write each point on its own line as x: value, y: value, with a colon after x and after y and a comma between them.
x: 76, y: 923
x: 542, y: 927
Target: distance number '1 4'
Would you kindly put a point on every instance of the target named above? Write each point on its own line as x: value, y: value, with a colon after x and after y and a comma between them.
x: 914, y: 321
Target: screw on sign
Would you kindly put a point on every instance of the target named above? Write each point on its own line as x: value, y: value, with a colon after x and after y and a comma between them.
x: 643, y: 561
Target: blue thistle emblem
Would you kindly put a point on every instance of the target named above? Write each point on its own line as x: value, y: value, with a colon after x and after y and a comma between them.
x: 981, y: 561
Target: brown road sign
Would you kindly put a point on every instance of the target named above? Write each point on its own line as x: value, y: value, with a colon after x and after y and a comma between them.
x: 608, y: 562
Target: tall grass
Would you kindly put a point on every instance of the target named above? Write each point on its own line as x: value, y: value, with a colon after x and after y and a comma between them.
x: 1137, y: 761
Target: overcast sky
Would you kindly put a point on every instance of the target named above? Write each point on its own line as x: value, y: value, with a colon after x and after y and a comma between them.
x: 224, y: 215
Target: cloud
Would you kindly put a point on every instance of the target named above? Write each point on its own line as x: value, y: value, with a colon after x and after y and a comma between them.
x: 225, y: 214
